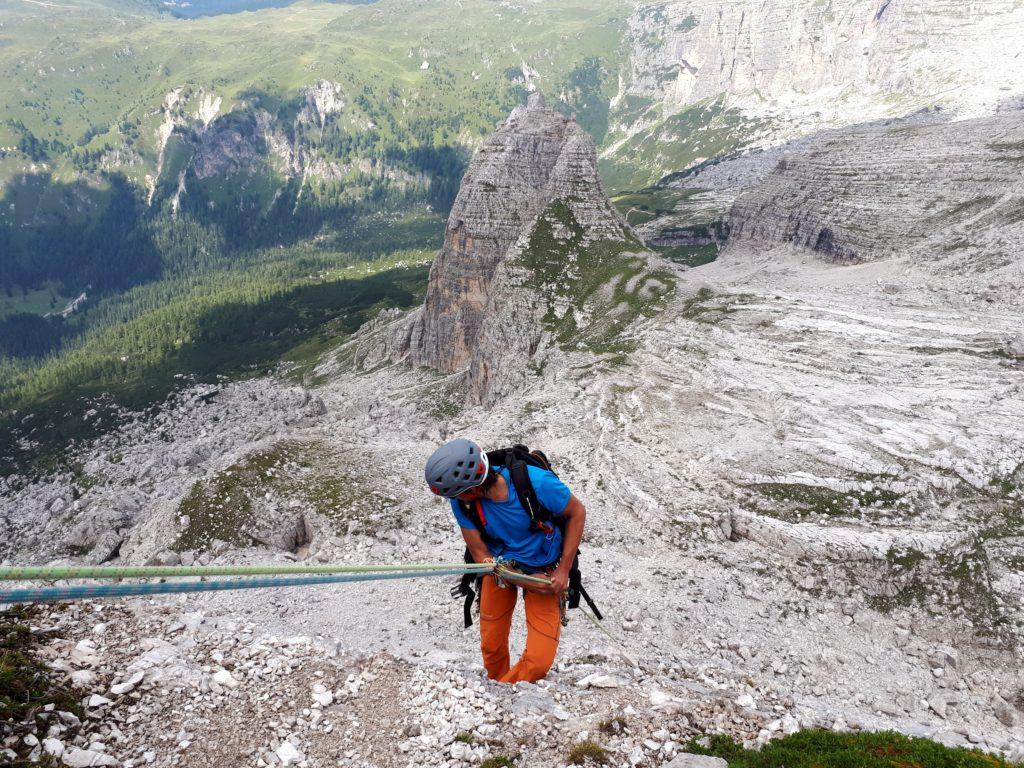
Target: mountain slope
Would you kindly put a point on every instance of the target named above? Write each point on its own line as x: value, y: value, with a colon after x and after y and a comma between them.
x: 803, y: 485
x: 961, y: 194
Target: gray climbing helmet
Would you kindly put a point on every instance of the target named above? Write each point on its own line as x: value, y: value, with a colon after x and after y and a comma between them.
x: 456, y: 467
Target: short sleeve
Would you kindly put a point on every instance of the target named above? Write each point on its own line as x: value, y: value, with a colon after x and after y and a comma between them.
x: 460, y: 516
x: 551, y: 492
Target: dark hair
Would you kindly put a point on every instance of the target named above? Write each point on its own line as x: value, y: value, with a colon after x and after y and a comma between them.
x: 489, y: 481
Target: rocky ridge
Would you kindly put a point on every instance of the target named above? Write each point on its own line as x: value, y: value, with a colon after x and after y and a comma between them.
x: 533, y: 158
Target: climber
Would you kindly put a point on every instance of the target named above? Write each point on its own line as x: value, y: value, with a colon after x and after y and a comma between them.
x: 529, y: 518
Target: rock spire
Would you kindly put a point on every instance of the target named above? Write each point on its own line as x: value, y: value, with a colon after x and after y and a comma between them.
x: 536, y: 156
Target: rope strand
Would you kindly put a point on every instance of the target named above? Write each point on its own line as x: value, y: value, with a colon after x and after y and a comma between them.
x: 47, y: 573
x: 87, y: 591
x: 259, y: 577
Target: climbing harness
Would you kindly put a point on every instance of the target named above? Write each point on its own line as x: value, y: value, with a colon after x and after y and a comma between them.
x: 274, y: 576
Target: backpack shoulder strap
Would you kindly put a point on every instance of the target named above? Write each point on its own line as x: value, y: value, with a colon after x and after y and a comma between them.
x: 517, y: 460
x: 519, y: 473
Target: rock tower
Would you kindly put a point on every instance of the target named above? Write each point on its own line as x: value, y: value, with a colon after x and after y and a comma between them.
x: 536, y: 156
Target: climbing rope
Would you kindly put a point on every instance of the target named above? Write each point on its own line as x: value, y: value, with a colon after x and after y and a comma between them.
x: 509, y: 573
x: 87, y: 591
x: 259, y: 577
x: 47, y: 573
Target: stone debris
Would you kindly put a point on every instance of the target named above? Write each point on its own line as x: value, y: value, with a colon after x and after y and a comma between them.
x: 86, y: 758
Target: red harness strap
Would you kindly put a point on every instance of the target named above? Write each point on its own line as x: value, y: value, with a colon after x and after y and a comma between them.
x: 480, y: 511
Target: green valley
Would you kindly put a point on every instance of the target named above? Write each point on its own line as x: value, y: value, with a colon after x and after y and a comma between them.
x: 177, y: 178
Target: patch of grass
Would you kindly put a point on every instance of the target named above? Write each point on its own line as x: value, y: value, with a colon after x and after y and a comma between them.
x: 593, y: 290
x: 905, y: 559
x: 222, y: 508
x: 1000, y: 354
x: 26, y: 683
x: 445, y: 399
x: 955, y: 584
x: 690, y: 255
x: 225, y: 506
x: 588, y: 753
x: 299, y: 363
x: 646, y: 204
x: 465, y: 738
x: 817, y: 500
x: 500, y: 761
x: 690, y: 22
x: 710, y: 308
x: 827, y: 749
x: 964, y: 210
x: 38, y: 301
x: 700, y: 133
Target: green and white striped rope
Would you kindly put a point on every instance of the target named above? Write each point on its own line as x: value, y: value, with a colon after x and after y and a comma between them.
x: 51, y: 573
x: 89, y: 591
x: 253, y: 577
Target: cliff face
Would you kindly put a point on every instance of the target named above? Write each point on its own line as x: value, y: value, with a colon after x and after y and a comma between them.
x: 685, y: 51
x: 537, y: 155
x: 203, y: 145
x: 940, y: 191
x: 755, y: 74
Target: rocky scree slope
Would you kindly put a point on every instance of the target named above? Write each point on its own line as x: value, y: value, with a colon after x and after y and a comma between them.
x: 865, y: 312
x: 533, y: 254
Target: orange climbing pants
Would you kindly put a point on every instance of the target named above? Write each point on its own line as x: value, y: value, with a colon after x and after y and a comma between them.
x: 543, y: 626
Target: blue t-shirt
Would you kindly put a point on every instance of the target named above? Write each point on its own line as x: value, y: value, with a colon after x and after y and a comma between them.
x: 509, y: 523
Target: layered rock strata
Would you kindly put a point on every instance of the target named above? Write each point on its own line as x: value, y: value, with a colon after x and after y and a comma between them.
x: 712, y: 78
x: 940, y: 190
x: 827, y: 61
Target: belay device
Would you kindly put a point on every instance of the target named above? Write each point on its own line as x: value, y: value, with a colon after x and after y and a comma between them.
x: 516, y: 460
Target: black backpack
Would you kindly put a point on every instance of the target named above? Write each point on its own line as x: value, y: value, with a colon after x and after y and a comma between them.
x: 516, y: 460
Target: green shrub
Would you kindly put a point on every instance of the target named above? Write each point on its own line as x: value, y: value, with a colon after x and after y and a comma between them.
x: 612, y: 725
x: 588, y: 752
x: 499, y: 761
